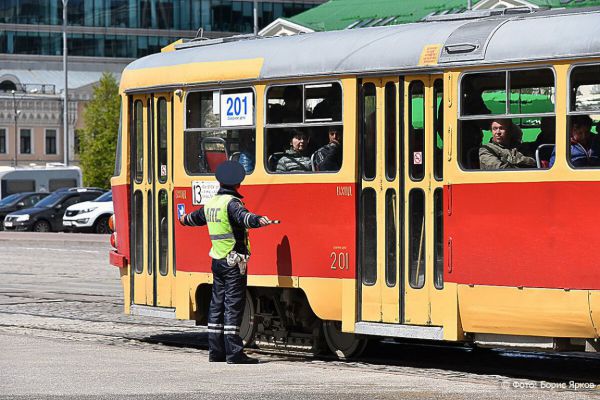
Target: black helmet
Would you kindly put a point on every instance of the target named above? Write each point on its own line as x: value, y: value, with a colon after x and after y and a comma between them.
x: 230, y: 173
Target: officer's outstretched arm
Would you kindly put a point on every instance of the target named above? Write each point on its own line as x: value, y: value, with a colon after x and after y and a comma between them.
x: 195, y: 218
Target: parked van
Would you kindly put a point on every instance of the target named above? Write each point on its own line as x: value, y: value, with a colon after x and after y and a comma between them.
x: 46, y: 178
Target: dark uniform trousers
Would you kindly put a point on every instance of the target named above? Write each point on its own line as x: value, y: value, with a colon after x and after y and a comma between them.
x: 226, y: 312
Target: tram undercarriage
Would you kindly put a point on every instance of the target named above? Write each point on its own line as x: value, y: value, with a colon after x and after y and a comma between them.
x: 282, y: 321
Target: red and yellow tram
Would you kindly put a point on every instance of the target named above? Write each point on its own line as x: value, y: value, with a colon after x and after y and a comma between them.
x: 409, y: 237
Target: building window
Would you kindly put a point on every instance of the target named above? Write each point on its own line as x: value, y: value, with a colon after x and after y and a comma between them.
x: 3, y: 141
x: 25, y: 146
x: 51, y: 141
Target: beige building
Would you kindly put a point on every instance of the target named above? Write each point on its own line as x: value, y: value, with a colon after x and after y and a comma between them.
x: 31, y: 115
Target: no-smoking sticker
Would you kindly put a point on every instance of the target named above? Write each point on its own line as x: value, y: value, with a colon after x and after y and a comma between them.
x: 418, y: 158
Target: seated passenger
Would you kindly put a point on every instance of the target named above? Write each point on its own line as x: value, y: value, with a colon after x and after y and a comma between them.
x: 247, y: 151
x: 329, y: 157
x: 585, y: 146
x: 501, y: 152
x: 295, y: 159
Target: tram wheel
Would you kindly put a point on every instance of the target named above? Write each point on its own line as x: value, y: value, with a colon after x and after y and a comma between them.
x: 343, y: 345
x: 248, y: 326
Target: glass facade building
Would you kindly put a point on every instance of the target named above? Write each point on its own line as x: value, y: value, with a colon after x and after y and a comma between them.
x: 128, y: 28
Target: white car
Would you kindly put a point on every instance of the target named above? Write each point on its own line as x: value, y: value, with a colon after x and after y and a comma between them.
x: 90, y: 215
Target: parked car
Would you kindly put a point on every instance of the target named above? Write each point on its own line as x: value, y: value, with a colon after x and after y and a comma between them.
x: 18, y: 201
x: 47, y: 214
x: 91, y: 216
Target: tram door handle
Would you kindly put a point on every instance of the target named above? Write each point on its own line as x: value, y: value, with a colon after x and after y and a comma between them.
x: 449, y: 255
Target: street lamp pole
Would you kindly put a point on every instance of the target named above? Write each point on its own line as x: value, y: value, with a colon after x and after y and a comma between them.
x: 16, y: 129
x: 66, y: 90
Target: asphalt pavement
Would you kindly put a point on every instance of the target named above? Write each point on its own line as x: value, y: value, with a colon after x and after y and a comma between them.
x: 63, y: 335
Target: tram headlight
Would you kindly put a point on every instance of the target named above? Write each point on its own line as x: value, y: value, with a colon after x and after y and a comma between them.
x: 22, y: 218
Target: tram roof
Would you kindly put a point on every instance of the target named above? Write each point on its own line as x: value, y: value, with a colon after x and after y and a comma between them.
x: 539, y: 36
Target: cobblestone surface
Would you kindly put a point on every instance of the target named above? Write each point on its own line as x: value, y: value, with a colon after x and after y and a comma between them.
x: 63, y: 335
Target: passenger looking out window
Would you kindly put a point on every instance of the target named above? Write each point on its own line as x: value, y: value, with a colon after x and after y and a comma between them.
x: 329, y: 157
x: 501, y: 152
x: 585, y: 146
x: 296, y: 158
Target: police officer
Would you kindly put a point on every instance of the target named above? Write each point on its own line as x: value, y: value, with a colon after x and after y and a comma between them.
x: 228, y: 222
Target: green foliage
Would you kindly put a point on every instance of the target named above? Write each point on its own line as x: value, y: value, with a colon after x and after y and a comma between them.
x: 98, y: 140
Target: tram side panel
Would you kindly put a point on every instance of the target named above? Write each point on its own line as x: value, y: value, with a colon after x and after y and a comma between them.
x: 313, y: 248
x: 526, y: 262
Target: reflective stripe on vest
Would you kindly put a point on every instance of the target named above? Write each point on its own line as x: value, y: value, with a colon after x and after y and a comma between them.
x: 219, y: 228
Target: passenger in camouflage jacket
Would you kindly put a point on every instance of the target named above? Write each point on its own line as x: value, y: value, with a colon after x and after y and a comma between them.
x: 502, y: 152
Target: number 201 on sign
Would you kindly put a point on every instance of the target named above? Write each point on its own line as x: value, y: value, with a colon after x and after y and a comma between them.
x: 237, y: 109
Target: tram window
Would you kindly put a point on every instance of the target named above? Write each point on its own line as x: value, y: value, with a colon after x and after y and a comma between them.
x: 138, y: 140
x: 532, y: 91
x: 202, y: 109
x: 584, y: 151
x: 368, y: 243
x: 585, y: 88
x: 163, y: 232
x: 483, y: 93
x: 284, y: 104
x: 220, y: 126
x: 369, y: 131
x: 138, y: 229
x: 416, y: 138
x: 323, y: 102
x: 162, y: 139
x: 438, y: 129
x: 584, y: 126
x: 527, y: 132
x: 391, y: 217
x: 416, y: 220
x: 312, y: 139
x: 438, y: 235
x: 390, y: 130
x: 205, y: 150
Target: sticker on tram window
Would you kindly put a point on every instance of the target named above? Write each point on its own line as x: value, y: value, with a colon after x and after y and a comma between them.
x: 202, y: 191
x: 237, y: 109
x: 417, y: 158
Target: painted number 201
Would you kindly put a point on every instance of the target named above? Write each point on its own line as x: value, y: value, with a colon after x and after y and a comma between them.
x: 340, y: 261
x: 234, y: 106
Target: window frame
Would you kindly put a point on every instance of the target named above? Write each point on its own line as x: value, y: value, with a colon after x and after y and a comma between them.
x: 303, y: 124
x: 6, y: 144
x: 569, y: 114
x: 483, y: 117
x: 31, y: 142
x: 220, y: 89
x: 55, y: 141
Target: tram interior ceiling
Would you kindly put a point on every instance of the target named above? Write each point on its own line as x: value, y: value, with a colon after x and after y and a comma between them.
x: 438, y: 221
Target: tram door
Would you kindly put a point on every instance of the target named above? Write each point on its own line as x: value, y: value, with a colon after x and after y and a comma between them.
x: 380, y: 203
x: 151, y: 208
x: 423, y: 176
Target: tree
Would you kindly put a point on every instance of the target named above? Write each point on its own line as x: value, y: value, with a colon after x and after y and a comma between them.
x: 98, y: 140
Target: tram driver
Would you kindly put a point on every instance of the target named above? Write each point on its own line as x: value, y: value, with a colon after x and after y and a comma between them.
x: 501, y: 152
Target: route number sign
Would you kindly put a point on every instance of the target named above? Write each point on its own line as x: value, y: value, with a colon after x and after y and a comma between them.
x: 237, y: 109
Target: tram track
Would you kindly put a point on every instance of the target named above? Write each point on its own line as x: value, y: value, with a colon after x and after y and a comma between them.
x: 450, y: 361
